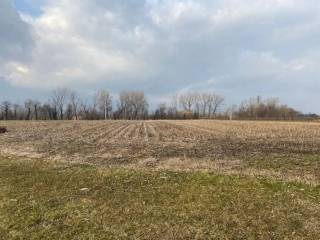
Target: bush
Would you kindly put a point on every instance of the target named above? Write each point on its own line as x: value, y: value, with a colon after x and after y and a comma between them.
x: 3, y: 130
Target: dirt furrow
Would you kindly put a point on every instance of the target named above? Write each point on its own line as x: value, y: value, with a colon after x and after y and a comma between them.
x: 114, y: 134
x: 102, y: 133
x: 130, y: 132
x: 191, y: 128
x: 146, y: 136
x: 137, y: 131
x: 121, y: 134
x: 153, y: 133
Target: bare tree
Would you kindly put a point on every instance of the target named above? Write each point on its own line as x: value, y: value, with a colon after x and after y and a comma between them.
x: 205, y: 99
x: 46, y: 112
x: 161, y: 111
x: 16, y: 110
x: 231, y: 111
x: 85, y: 110
x: 123, y: 105
x: 197, y: 104
x: 59, y: 98
x: 28, y: 106
x: 201, y: 104
x: 256, y: 108
x: 187, y: 101
x: 93, y: 109
x: 74, y: 102
x: 36, y: 105
x: 172, y: 107
x: 215, y: 103
x: 104, y: 101
x: 6, y: 108
x: 139, y: 104
x: 132, y: 105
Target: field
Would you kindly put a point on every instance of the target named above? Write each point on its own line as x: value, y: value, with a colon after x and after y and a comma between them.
x: 275, y: 149
x: 197, y: 179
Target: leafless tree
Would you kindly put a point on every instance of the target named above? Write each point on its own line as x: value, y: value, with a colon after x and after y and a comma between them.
x: 28, y: 104
x: 205, y: 99
x: 104, y: 101
x: 215, y: 103
x: 16, y: 109
x: 187, y: 101
x: 83, y: 111
x: 94, y: 108
x: 6, y: 106
x: 139, y: 104
x: 201, y: 104
x: 46, y: 112
x: 36, y: 105
x: 162, y: 111
x: 132, y: 104
x: 123, y: 105
x: 74, y: 102
x: 173, y: 107
x: 257, y: 108
x: 197, y: 104
x: 59, y: 98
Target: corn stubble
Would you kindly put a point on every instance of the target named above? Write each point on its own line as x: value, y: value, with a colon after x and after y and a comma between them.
x: 285, y: 150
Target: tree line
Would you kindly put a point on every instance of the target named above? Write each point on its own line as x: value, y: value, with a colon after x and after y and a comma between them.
x: 65, y: 104
x: 271, y: 108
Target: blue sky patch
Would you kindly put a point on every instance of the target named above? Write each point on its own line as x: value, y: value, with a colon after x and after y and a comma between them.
x: 26, y: 7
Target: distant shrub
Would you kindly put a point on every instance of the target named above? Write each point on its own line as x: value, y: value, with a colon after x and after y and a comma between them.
x: 3, y: 130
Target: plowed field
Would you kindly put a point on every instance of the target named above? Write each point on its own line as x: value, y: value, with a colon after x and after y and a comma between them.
x: 275, y: 149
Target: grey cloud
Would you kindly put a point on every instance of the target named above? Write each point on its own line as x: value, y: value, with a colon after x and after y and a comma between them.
x: 16, y: 38
x: 238, y: 48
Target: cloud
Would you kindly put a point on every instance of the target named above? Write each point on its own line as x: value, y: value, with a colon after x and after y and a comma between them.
x: 16, y: 38
x: 237, y: 47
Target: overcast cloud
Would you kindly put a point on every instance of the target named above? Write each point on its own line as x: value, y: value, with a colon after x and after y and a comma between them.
x: 239, y: 48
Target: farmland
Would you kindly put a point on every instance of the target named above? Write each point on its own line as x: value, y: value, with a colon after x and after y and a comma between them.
x: 276, y: 149
x: 199, y: 179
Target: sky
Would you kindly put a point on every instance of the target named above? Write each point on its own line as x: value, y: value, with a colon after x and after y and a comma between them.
x: 236, y: 48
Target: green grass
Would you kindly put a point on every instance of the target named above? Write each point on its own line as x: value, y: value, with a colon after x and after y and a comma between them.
x: 41, y: 201
x: 296, y: 165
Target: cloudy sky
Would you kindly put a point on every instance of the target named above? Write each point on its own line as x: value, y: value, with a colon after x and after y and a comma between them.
x: 238, y: 48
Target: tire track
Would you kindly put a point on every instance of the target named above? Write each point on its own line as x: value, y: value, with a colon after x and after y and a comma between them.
x: 153, y: 133
x: 146, y: 137
x: 137, y: 132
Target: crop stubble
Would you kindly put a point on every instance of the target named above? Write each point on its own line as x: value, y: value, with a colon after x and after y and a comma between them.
x: 276, y: 149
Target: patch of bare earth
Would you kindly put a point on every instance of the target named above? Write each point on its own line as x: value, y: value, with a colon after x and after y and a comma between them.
x: 285, y: 150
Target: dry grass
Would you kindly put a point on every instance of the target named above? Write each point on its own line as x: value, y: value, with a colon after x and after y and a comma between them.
x: 285, y: 150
